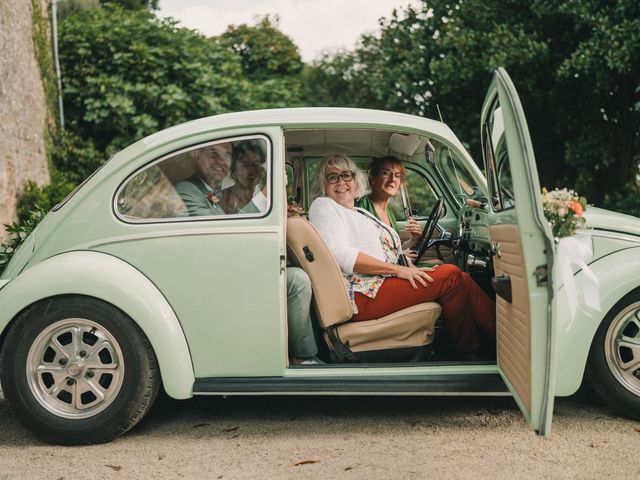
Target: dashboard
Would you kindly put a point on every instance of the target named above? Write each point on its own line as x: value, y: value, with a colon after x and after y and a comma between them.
x: 473, y: 230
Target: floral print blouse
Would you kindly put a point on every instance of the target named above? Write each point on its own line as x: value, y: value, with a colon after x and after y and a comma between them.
x: 370, y: 284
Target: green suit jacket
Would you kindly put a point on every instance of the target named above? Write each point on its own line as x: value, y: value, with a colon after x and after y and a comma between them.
x: 194, y: 195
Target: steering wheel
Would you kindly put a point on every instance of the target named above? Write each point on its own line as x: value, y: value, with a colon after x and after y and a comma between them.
x: 422, y: 244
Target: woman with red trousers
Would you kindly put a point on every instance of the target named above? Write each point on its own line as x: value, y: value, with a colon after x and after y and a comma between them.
x: 367, y: 252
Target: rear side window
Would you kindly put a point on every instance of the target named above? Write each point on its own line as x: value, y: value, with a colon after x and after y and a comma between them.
x: 217, y: 179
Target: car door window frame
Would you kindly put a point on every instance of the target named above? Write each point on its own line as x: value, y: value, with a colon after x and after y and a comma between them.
x: 238, y: 216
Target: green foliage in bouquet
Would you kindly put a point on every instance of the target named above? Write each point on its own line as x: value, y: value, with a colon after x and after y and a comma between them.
x: 564, y: 209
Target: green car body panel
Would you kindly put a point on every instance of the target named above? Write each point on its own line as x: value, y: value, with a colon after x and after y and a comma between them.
x: 617, y: 273
x: 105, y: 277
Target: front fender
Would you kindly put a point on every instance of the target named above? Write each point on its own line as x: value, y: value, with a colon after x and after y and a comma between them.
x: 618, y: 275
x: 110, y: 279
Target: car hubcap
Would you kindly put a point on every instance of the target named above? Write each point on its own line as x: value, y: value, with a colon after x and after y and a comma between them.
x: 75, y: 368
x: 622, y: 348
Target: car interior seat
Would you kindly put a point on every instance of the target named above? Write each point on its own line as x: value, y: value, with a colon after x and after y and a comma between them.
x: 403, y: 336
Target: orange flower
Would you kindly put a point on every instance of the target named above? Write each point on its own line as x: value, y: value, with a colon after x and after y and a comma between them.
x: 576, y: 207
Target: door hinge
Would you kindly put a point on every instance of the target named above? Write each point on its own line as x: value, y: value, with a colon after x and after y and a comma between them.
x: 541, y: 275
x: 283, y: 264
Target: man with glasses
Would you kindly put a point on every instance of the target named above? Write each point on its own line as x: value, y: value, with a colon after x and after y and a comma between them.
x: 202, y: 191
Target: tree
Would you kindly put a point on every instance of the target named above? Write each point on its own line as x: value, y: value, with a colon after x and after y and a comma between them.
x: 388, y: 70
x: 270, y: 61
x: 576, y: 66
x: 68, y: 7
x: 264, y: 51
x: 127, y: 74
x: 134, y: 4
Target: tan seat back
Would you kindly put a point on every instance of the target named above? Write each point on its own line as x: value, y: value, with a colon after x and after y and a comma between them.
x: 306, y: 249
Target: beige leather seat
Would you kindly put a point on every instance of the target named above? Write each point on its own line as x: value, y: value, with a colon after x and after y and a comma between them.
x: 403, y: 336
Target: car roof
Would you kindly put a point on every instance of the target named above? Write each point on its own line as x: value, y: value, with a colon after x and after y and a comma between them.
x: 290, y: 119
x: 308, y: 117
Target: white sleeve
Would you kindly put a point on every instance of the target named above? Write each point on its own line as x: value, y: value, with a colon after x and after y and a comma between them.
x: 260, y: 201
x: 325, y: 215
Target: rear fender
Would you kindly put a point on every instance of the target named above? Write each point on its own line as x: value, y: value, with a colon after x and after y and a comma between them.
x: 110, y: 279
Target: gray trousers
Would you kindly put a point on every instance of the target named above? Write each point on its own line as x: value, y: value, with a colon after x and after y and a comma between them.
x: 302, y: 342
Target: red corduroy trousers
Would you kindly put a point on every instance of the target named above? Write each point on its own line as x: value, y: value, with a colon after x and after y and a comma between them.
x: 465, y: 307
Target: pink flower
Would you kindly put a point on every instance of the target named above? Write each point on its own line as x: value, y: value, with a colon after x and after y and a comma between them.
x: 562, y: 211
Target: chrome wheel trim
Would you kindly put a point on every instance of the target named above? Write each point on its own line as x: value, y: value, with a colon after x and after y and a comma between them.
x: 622, y: 348
x: 75, y: 368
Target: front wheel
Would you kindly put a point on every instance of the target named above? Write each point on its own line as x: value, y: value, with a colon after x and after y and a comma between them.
x: 77, y: 370
x: 614, y: 359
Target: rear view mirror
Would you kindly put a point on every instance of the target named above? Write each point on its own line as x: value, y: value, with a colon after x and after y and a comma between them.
x: 429, y: 152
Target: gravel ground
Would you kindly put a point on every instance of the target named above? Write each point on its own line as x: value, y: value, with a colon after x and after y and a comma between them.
x: 340, y: 437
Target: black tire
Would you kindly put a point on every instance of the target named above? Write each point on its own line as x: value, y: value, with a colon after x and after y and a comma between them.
x: 62, y: 354
x: 616, y: 385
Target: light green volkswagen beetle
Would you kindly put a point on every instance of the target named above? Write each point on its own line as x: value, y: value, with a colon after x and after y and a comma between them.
x: 131, y: 285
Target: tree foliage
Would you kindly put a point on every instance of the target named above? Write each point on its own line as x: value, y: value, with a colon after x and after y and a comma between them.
x: 265, y: 51
x: 128, y: 74
x: 576, y: 66
x: 270, y: 61
x: 69, y: 7
x: 134, y: 4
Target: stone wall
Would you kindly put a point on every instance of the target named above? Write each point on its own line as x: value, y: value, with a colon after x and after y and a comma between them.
x: 23, y: 112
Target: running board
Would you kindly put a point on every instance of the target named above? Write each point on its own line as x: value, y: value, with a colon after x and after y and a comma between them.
x: 454, y: 384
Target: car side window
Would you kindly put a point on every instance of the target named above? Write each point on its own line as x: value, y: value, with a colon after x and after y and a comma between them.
x: 496, y: 157
x: 215, y: 179
x: 420, y: 197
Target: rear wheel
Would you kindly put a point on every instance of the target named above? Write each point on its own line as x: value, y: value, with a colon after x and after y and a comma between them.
x: 614, y: 359
x: 76, y: 370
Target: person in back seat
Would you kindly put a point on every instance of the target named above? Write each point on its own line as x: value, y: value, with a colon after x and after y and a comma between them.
x: 248, y: 163
x: 201, y: 195
x: 202, y: 192
x: 367, y: 252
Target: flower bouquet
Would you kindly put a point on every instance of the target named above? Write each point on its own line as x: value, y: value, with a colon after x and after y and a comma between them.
x: 564, y: 210
x: 293, y: 209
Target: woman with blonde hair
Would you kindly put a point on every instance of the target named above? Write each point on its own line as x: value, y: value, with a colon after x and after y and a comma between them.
x: 367, y: 251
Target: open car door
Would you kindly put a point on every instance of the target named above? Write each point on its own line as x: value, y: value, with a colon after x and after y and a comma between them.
x: 523, y: 254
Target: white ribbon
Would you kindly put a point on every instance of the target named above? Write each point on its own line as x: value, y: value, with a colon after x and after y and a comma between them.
x: 576, y: 250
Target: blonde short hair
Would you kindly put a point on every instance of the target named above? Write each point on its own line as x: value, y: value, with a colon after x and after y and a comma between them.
x: 340, y: 162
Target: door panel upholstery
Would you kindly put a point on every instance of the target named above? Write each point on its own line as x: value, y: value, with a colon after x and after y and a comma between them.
x: 513, y: 319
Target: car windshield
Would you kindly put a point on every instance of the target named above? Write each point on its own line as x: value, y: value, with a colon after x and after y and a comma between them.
x: 457, y: 174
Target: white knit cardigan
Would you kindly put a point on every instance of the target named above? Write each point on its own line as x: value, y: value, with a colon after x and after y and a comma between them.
x: 346, y: 232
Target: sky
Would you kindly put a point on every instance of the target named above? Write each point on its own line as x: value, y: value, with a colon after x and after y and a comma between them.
x: 314, y: 25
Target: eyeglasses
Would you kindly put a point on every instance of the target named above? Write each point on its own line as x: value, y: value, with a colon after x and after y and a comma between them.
x: 345, y: 175
x: 389, y: 173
